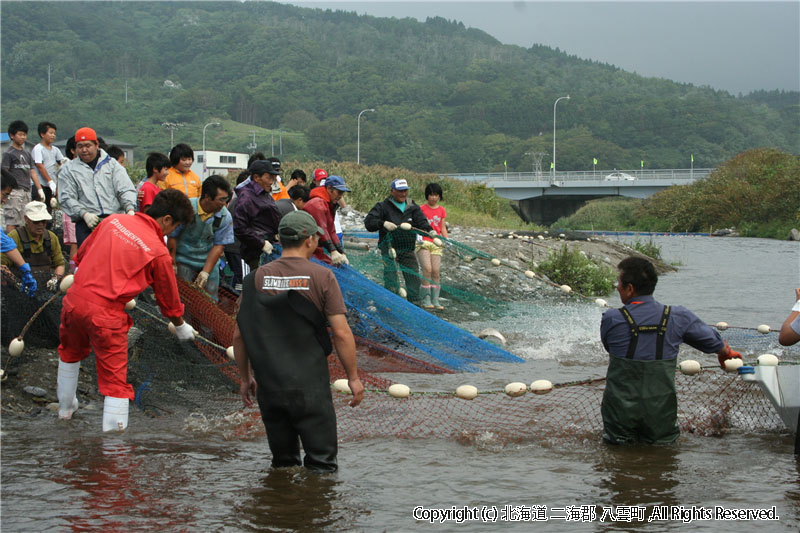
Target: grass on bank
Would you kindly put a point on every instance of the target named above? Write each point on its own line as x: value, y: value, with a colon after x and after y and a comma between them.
x: 467, y: 204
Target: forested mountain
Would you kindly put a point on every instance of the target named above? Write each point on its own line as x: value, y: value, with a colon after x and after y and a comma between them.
x: 447, y: 98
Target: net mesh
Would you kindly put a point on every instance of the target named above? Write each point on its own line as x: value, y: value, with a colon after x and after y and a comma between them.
x: 197, y: 381
x: 463, y: 297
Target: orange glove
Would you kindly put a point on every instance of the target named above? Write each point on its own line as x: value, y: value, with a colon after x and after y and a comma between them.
x: 731, y: 354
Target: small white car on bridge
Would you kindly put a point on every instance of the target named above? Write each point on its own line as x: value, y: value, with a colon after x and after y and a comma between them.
x: 619, y: 176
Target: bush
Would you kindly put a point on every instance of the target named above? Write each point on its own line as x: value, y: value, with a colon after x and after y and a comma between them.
x: 650, y: 249
x: 573, y: 268
x: 755, y: 191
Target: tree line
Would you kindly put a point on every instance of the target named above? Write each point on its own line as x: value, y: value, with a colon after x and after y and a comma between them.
x: 447, y: 98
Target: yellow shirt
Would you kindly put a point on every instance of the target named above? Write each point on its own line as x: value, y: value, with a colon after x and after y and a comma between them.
x: 202, y: 214
x: 56, y: 257
x: 188, y: 183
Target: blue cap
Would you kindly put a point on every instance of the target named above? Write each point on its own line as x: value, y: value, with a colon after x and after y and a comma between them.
x: 400, y: 185
x: 337, y: 182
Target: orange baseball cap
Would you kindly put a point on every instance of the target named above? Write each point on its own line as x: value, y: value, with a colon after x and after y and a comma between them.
x: 85, y: 134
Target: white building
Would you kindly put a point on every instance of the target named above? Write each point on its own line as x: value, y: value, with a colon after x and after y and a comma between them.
x: 218, y: 163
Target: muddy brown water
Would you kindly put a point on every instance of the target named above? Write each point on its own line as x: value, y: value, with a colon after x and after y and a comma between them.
x: 59, y: 476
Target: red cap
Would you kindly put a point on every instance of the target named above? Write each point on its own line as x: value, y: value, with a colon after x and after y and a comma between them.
x: 319, y: 174
x: 85, y: 134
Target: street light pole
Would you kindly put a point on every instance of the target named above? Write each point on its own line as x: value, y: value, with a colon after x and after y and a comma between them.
x: 554, y: 133
x: 205, y: 159
x: 358, y: 141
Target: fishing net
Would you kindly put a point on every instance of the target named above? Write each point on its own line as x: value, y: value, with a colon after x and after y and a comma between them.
x: 199, y: 383
x: 710, y: 403
x: 17, y: 309
x: 470, y: 294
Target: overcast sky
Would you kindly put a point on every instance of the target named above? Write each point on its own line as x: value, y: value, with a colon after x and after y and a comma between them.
x: 735, y: 46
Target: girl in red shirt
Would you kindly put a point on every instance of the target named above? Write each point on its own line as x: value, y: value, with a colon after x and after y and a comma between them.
x: 429, y: 251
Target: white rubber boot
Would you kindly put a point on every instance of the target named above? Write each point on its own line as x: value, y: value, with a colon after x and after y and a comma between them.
x: 435, y: 289
x: 425, y: 290
x: 115, y: 414
x: 67, y: 386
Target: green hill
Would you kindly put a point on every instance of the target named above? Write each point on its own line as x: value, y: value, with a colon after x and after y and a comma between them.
x: 447, y: 98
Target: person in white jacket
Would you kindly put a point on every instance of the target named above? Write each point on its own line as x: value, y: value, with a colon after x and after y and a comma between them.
x: 93, y: 185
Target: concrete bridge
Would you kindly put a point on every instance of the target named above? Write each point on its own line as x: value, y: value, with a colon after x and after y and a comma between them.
x: 545, y: 197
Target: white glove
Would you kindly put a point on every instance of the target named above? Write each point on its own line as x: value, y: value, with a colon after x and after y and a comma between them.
x: 392, y: 253
x: 184, y: 332
x: 201, y: 279
x: 432, y: 234
x: 53, y: 203
x: 338, y: 258
x: 52, y: 184
x: 130, y: 212
x: 42, y: 197
x: 405, y: 226
x: 52, y: 284
x: 390, y: 226
x: 91, y: 220
x: 438, y: 242
x: 267, y: 248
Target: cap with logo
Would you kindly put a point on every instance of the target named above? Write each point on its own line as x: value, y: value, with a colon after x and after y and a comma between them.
x: 298, y: 225
x: 400, y: 185
x: 319, y: 174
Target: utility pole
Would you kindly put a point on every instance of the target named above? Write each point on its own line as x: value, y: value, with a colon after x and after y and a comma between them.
x: 172, y: 126
x: 252, y: 146
x: 48, y: 77
x: 126, y: 91
x: 536, y: 162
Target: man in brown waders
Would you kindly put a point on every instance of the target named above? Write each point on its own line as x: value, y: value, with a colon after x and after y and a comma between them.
x: 642, y: 339
x: 281, y: 345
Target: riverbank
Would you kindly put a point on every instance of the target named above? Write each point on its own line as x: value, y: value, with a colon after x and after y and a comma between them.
x: 520, y: 250
x: 29, y: 389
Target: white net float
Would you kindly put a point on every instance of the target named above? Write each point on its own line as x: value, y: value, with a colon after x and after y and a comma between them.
x: 541, y: 386
x: 690, y: 367
x: 516, y: 389
x: 398, y: 390
x: 341, y: 385
x: 467, y: 392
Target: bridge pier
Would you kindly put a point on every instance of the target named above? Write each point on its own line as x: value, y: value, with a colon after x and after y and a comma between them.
x: 544, y: 210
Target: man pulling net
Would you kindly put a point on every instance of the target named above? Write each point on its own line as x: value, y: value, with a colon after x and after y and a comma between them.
x: 122, y: 256
x: 281, y: 333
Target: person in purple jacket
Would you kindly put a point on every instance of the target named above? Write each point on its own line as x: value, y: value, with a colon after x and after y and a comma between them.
x: 256, y: 218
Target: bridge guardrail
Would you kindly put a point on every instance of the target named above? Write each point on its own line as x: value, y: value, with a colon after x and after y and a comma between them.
x: 684, y: 174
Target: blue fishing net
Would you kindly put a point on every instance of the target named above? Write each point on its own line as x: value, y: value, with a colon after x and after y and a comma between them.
x: 381, y: 316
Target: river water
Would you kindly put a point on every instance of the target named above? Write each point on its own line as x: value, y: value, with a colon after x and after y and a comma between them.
x: 158, y: 476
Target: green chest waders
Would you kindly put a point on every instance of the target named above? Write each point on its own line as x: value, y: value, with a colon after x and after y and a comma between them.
x: 639, y: 401
x: 40, y: 262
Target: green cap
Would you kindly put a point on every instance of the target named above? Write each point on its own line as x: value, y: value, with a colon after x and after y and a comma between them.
x: 298, y: 225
